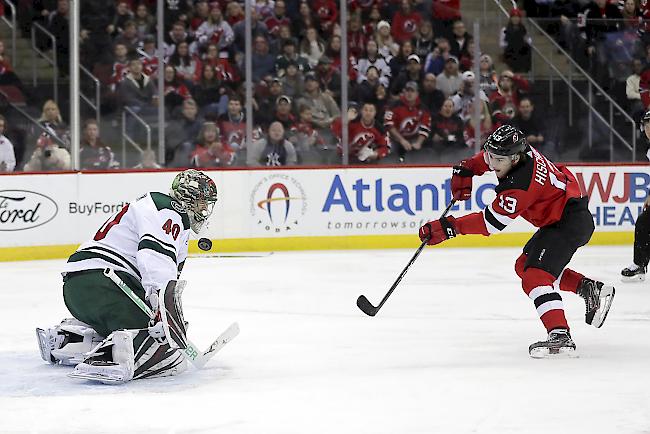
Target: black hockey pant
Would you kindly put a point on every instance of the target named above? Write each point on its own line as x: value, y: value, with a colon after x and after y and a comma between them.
x: 642, y: 239
x: 94, y: 299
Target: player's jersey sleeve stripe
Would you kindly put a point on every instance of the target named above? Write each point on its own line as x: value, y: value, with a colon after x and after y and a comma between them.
x: 503, y: 219
x: 113, y: 253
x: 171, y: 246
x: 492, y: 224
x: 156, y: 247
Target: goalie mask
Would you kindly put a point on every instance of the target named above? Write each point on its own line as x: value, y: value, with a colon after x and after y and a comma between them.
x: 197, y: 193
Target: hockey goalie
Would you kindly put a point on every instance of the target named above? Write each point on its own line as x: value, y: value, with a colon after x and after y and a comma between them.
x: 111, y: 338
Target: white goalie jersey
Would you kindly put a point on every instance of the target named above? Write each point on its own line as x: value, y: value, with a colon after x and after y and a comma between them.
x: 148, y: 238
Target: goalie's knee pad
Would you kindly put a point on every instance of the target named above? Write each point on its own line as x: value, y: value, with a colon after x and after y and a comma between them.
x: 67, y: 342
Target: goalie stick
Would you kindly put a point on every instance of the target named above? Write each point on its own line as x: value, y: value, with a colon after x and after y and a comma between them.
x: 192, y: 352
x: 365, y: 305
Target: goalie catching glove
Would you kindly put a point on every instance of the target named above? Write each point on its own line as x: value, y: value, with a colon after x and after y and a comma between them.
x: 461, y: 182
x: 437, y: 231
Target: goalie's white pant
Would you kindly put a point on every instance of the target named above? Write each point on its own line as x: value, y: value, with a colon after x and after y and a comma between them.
x: 66, y: 343
x: 133, y: 354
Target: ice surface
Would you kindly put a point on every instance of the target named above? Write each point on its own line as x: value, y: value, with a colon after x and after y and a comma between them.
x: 446, y: 354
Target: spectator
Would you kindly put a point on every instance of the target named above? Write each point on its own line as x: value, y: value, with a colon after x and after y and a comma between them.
x: 424, y: 41
x: 7, y: 75
x: 120, y: 65
x: 515, y: 43
x: 631, y: 16
x: 148, y: 161
x: 48, y: 156
x: 413, y: 72
x: 265, y: 103
x: 137, y: 91
x: 464, y: 99
x: 304, y: 20
x: 289, y: 54
x: 225, y: 71
x: 407, y: 124
x: 312, y: 46
x: 176, y: 11
x: 7, y: 154
x: 283, y: 112
x: 327, y: 13
x: 329, y: 78
x: 58, y: 25
x: 533, y: 127
x: 388, y: 48
x: 145, y: 23
x: 487, y: 75
x: 447, y: 133
x: 357, y: 37
x: 128, y: 37
x: 437, y: 59
x: 258, y: 28
x: 264, y: 8
x: 211, y: 151
x: 405, y: 22
x: 277, y: 18
x: 459, y: 39
x: 449, y: 80
x: 53, y: 122
x: 466, y: 61
x: 176, y: 35
x: 445, y: 14
x: 209, y: 92
x: 199, y: 14
x: 375, y: 60
x: 263, y: 61
x: 93, y: 153
x: 122, y: 15
x: 601, y: 18
x: 284, y: 34
x: 215, y: 30
x: 232, y: 125
x: 367, y: 143
x: 181, y: 132
x: 309, y: 144
x: 175, y: 89
x: 234, y: 13
x: 273, y: 150
x: 398, y: 63
x: 367, y: 90
x: 324, y: 108
x: 632, y: 83
x: 431, y: 97
x: 148, y: 56
x: 293, y: 82
x: 187, y: 66
x: 505, y: 100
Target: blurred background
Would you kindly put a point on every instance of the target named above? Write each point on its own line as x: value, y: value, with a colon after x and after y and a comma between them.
x: 104, y: 85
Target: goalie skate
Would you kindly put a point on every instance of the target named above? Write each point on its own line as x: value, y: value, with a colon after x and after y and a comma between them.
x: 633, y: 273
x: 598, y: 300
x: 558, y: 345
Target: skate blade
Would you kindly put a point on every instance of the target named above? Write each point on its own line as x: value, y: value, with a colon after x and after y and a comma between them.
x: 607, y: 293
x: 43, y: 345
x: 106, y: 379
x: 554, y: 353
x: 633, y: 279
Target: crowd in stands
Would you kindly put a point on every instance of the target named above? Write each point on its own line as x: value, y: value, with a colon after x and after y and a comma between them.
x: 410, y: 77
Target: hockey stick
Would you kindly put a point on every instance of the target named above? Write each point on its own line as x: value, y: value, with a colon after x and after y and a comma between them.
x: 197, y: 357
x: 365, y: 305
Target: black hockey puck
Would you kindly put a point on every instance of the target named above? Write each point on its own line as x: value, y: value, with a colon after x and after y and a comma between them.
x: 205, y: 244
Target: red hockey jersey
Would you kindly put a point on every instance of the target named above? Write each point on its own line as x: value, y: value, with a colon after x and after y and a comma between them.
x: 537, y: 190
x: 409, y: 121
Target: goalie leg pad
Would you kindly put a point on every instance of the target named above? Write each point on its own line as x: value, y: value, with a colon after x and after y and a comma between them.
x: 156, y: 359
x: 109, y: 362
x: 171, y: 313
x: 66, y: 343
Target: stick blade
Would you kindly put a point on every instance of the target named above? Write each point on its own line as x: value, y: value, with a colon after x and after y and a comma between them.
x: 365, y: 306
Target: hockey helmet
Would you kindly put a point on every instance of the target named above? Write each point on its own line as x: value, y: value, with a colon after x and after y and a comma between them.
x: 506, y: 140
x: 197, y: 193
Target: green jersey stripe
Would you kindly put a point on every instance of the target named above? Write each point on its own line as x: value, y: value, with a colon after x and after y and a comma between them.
x: 82, y: 256
x: 171, y: 246
x: 114, y: 253
x: 152, y: 245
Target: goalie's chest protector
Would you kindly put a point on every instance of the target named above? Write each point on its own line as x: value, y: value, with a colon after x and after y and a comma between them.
x: 154, y: 221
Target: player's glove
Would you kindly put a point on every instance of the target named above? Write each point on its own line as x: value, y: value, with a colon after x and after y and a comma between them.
x: 461, y: 182
x: 437, y: 231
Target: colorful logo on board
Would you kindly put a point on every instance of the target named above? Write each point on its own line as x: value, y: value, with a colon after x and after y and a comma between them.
x: 278, y: 203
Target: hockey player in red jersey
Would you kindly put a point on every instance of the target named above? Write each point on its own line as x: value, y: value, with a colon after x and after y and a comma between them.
x: 549, y: 197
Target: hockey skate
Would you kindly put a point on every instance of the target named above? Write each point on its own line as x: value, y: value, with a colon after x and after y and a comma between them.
x: 558, y: 345
x: 598, y: 299
x: 633, y: 273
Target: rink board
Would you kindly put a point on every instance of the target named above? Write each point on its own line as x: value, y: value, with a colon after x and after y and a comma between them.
x: 47, y: 215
